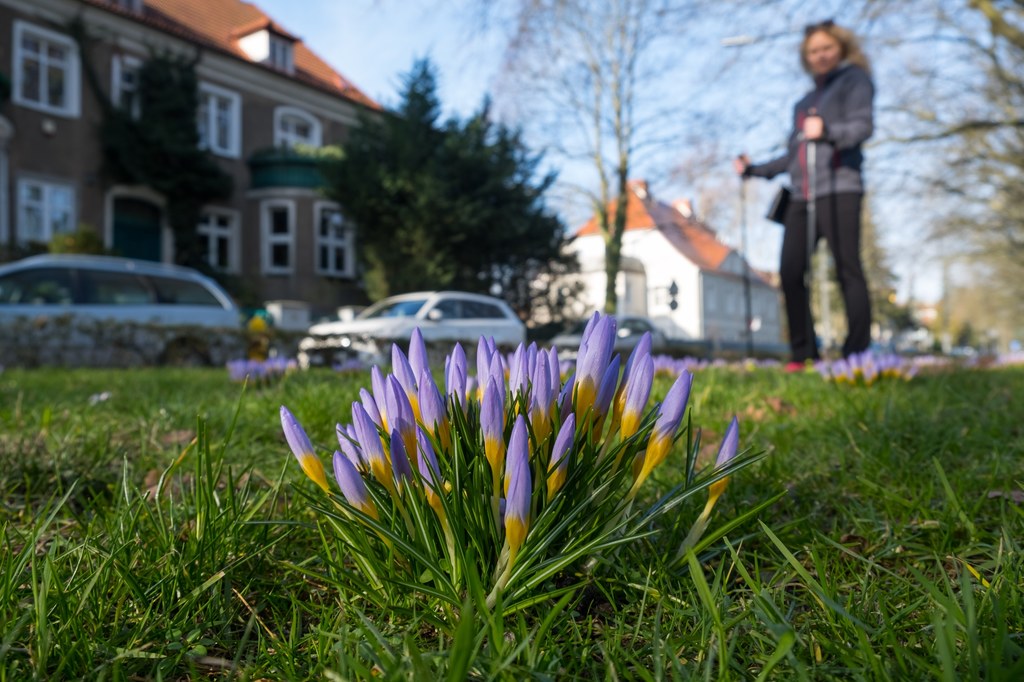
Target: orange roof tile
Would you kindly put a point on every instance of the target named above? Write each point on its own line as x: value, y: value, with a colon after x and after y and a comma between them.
x: 690, y: 237
x: 220, y: 23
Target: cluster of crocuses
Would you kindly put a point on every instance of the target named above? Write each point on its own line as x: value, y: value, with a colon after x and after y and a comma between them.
x: 666, y: 365
x: 866, y: 368
x: 350, y: 366
x: 508, y: 473
x: 260, y: 371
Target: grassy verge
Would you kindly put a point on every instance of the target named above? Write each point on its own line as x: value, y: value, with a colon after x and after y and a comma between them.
x: 156, y: 533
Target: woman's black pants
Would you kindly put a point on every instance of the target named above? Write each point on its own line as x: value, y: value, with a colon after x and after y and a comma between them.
x: 839, y: 223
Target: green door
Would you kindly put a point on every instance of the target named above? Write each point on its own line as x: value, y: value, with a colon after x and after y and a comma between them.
x: 137, y: 229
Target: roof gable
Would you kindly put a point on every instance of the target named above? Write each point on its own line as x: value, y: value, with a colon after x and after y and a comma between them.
x: 220, y: 24
x: 692, y: 238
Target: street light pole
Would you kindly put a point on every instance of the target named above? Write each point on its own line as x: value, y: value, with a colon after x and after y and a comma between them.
x: 748, y: 317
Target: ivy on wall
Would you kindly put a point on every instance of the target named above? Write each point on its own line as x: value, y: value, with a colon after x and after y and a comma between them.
x: 159, y: 149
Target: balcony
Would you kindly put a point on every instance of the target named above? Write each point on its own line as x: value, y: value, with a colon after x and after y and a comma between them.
x: 279, y: 167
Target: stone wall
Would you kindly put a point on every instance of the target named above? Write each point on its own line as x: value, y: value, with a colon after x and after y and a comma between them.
x: 74, y: 342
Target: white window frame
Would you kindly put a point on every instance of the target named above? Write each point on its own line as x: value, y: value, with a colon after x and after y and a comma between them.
x: 72, y: 76
x: 209, y: 232
x: 120, y: 64
x: 347, y: 242
x: 283, y: 138
x: 268, y: 239
x: 234, y: 148
x: 47, y: 186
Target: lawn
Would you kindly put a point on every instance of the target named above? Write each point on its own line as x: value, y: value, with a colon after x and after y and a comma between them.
x: 132, y: 551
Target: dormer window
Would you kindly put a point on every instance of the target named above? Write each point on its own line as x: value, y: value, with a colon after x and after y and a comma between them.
x: 267, y: 43
x: 280, y: 53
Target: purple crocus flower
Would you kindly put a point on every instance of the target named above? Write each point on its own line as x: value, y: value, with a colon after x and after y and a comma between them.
x: 372, y: 448
x: 669, y: 416
x: 352, y: 485
x: 642, y: 348
x: 555, y: 367
x: 517, y: 373
x: 730, y: 444
x: 346, y: 441
x: 432, y: 411
x: 484, y: 353
x: 370, y: 405
x: 541, y: 399
x: 492, y: 425
x: 299, y: 443
x: 418, y: 354
x: 428, y: 467
x: 592, y: 363
x: 519, y: 484
x: 378, y: 385
x: 402, y: 370
x: 455, y: 375
x: 588, y: 329
x: 399, y: 458
x: 607, y: 390
x: 558, y: 467
x: 638, y: 390
x: 401, y: 415
x: 564, y: 400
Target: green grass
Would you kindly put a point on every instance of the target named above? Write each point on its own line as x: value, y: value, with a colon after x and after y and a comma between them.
x: 131, y: 552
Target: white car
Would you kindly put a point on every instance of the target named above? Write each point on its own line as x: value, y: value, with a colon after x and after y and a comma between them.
x: 443, y: 317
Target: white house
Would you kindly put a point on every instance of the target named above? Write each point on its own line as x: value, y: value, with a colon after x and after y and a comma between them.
x: 666, y: 250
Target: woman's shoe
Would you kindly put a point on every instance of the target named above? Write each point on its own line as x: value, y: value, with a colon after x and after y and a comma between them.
x: 794, y: 366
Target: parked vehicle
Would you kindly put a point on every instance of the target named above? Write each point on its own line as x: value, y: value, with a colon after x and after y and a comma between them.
x: 120, y: 290
x: 443, y: 317
x: 629, y: 330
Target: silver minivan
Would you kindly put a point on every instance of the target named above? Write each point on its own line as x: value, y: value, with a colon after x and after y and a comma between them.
x: 108, y: 288
x: 103, y: 311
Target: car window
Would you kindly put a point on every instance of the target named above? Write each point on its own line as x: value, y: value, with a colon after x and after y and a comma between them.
x: 480, y: 309
x: 38, y: 286
x: 404, y: 308
x: 173, y: 291
x: 449, y: 309
x: 634, y: 328
x: 115, y: 288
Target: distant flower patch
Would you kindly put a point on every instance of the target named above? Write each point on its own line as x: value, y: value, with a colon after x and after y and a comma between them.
x: 507, y: 479
x: 1010, y: 359
x: 867, y: 368
x: 351, y: 365
x: 261, y: 371
x: 665, y: 365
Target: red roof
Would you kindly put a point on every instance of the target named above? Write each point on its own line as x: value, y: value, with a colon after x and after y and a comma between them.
x: 221, y: 23
x: 692, y: 238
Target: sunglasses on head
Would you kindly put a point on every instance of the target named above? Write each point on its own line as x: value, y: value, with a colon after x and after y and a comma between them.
x: 820, y: 26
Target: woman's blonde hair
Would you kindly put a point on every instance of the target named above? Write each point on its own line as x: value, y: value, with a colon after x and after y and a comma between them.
x: 849, y: 45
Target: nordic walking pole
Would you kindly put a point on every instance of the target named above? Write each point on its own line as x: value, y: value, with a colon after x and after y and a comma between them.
x: 812, y: 232
x: 746, y: 269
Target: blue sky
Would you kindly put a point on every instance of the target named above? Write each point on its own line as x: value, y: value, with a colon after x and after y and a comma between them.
x: 374, y: 42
